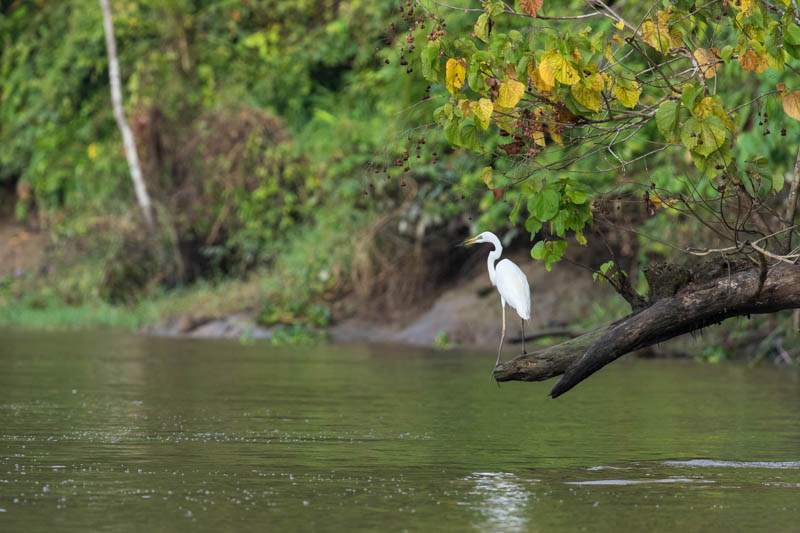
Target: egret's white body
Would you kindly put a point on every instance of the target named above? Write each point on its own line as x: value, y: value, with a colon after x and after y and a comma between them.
x: 511, y: 283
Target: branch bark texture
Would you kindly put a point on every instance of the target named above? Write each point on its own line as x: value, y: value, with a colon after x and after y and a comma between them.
x: 742, y: 293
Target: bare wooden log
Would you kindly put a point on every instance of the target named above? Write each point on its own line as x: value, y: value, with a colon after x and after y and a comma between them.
x: 549, y: 362
x: 543, y: 334
x: 693, y: 308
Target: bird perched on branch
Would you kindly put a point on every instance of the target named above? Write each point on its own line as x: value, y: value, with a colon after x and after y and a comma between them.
x: 511, y: 283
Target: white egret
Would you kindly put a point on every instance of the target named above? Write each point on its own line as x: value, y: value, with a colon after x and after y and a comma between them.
x: 511, y: 283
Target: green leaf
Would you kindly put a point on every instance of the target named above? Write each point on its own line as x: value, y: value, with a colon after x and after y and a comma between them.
x: 688, y: 96
x: 667, y: 120
x: 533, y: 225
x: 577, y: 196
x: 469, y: 136
x: 431, y: 69
x: 514, y: 212
x: 495, y: 8
x: 720, y: 157
x: 703, y: 135
x: 791, y: 34
x: 550, y: 251
x: 726, y: 53
x: 486, y: 176
x: 452, y: 132
x: 777, y: 182
x: 544, y: 205
x: 482, y: 27
x: 538, y: 251
x: 443, y: 114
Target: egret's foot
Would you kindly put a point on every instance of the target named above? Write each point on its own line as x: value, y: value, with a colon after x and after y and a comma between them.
x: 491, y: 376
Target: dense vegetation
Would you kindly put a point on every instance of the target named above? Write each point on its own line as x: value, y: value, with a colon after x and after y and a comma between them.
x: 259, y: 128
x: 305, y: 144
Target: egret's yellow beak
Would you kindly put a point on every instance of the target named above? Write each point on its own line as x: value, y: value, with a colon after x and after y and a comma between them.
x: 468, y: 242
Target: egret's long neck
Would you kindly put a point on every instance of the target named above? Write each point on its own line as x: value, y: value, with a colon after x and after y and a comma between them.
x: 494, y: 255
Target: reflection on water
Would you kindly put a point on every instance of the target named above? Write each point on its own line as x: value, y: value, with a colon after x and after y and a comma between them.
x: 636, y: 481
x: 502, y: 503
x: 707, y: 463
x: 109, y: 431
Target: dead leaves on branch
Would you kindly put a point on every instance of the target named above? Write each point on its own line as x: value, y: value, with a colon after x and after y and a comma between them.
x: 531, y: 7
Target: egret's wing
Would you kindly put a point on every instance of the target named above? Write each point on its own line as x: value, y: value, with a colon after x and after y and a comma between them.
x: 513, y: 286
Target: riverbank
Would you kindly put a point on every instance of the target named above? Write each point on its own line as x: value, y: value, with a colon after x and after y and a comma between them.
x: 463, y: 311
x: 460, y: 311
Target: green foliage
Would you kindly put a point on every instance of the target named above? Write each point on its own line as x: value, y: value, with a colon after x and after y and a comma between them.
x: 561, y: 93
x: 442, y: 341
x: 296, y: 334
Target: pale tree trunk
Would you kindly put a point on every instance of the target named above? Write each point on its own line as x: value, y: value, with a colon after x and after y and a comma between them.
x: 127, y: 135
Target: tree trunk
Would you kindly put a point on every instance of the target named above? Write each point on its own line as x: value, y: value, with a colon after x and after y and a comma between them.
x: 740, y: 294
x: 119, y: 113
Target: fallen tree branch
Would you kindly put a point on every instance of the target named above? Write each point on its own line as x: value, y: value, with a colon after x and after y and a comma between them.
x: 551, y: 361
x: 543, y: 334
x: 691, y: 309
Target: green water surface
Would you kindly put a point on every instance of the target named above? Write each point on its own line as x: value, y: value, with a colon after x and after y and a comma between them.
x: 105, y: 431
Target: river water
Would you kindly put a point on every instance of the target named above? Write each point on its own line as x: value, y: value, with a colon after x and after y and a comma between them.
x: 117, y: 432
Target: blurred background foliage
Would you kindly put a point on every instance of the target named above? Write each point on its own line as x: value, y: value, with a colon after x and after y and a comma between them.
x: 290, y: 152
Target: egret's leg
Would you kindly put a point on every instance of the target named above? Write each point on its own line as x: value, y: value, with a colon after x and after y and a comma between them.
x: 522, y: 328
x: 502, y: 335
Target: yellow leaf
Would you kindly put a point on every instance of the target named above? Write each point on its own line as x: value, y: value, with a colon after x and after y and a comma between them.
x: 656, y: 201
x: 608, y: 53
x: 483, y: 113
x: 587, y: 96
x: 510, y: 93
x: 91, y: 151
x: 554, y: 129
x: 511, y: 71
x: 712, y: 105
x: 455, y: 70
x: 538, y: 138
x: 657, y: 34
x: 791, y: 104
x: 620, y: 24
x: 486, y: 175
x: 628, y: 96
x: 465, y: 107
x: 554, y: 66
x: 619, y: 40
x: 753, y: 62
x: 747, y: 7
x: 542, y: 84
x: 708, y: 60
x: 506, y: 119
x: 595, y: 81
x: 531, y: 7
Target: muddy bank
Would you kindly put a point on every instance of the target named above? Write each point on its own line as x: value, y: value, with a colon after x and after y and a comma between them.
x: 466, y: 313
